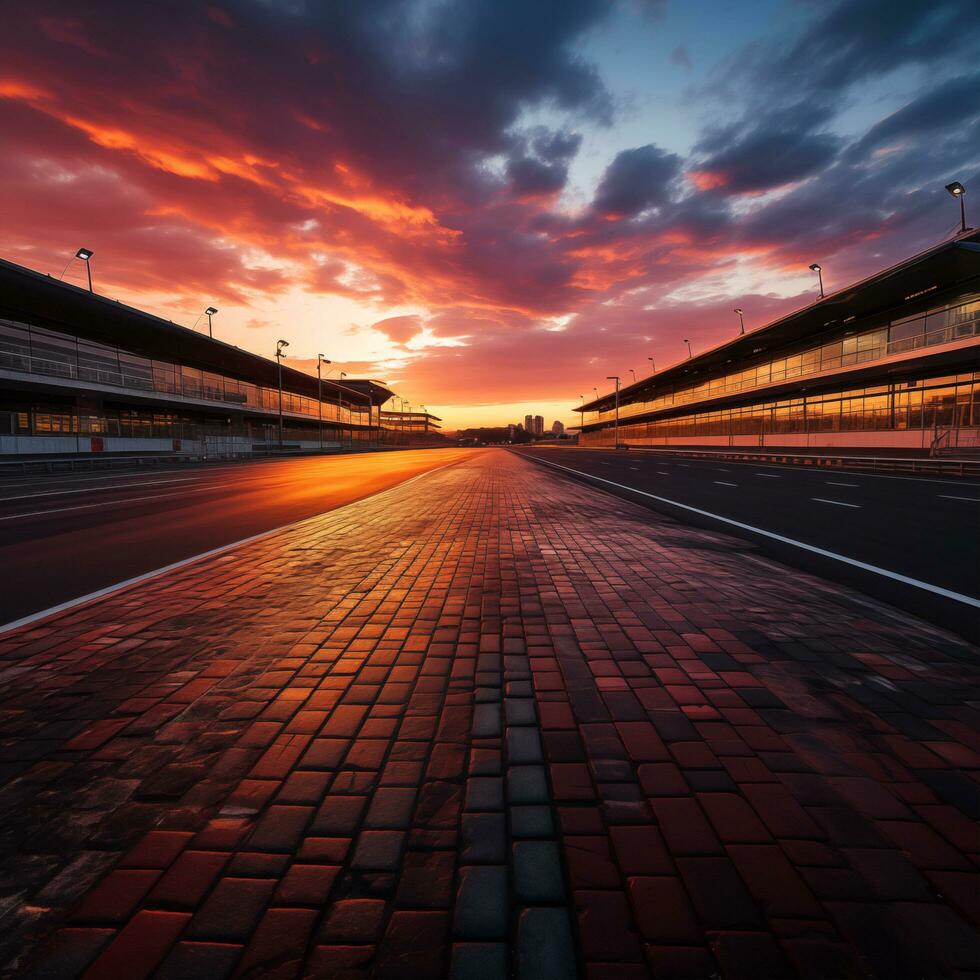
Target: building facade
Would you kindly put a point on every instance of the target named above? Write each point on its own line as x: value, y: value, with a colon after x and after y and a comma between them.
x: 411, y: 429
x: 890, y: 362
x: 82, y: 374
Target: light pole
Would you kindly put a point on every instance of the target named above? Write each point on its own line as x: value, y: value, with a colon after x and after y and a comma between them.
x: 816, y: 268
x: 350, y: 428
x: 690, y: 353
x: 581, y: 411
x: 320, y: 359
x: 634, y: 375
x: 279, y: 356
x: 741, y: 320
x: 84, y: 254
x: 959, y: 191
x: 615, y: 377
x: 653, y: 364
x: 209, y: 312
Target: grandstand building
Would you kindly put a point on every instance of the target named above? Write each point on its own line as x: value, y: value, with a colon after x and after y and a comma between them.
x: 83, y: 374
x: 892, y: 362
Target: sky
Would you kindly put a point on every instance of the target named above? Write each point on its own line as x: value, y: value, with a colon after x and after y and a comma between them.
x: 493, y: 205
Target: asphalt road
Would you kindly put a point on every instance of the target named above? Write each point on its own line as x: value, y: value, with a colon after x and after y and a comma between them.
x: 66, y: 536
x: 926, y: 530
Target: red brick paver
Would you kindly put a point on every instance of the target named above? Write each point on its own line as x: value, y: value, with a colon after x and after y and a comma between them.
x: 489, y: 723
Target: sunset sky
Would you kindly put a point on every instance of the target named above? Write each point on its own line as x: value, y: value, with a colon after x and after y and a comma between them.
x: 491, y: 204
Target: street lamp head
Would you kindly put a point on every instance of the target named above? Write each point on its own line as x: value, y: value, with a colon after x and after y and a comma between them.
x: 738, y: 310
x: 956, y: 189
x: 210, y: 311
x: 84, y: 254
x: 815, y: 267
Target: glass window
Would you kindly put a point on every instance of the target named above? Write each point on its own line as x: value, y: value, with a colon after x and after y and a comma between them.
x: 15, y: 346
x: 98, y: 363
x: 137, y: 372
x: 164, y: 377
x: 190, y: 381
x: 53, y: 354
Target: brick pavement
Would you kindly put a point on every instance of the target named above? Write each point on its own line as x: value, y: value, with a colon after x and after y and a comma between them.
x: 489, y: 723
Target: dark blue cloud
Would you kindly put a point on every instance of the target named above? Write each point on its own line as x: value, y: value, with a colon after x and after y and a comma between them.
x: 636, y: 180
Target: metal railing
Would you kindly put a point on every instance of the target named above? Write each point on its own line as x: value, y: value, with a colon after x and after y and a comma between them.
x: 926, y: 466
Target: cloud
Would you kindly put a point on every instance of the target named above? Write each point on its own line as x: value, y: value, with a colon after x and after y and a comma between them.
x: 399, y: 329
x: 636, y: 180
x: 681, y: 58
x: 448, y: 157
x: 769, y: 155
x: 858, y: 40
x: 953, y: 102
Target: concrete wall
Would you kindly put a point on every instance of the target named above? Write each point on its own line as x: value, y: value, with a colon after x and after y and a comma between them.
x: 12, y: 446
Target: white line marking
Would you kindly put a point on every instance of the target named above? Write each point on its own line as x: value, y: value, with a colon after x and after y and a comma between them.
x: 947, y: 496
x: 769, y: 476
x: 836, y: 503
x: 110, y: 503
x: 831, y: 483
x: 634, y: 468
x: 722, y: 483
x: 813, y: 549
x: 662, y: 473
x: 822, y: 471
x: 719, y: 469
x: 146, y: 576
x: 111, y: 486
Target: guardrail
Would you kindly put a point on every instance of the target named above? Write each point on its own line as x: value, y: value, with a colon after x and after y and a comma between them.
x: 926, y: 466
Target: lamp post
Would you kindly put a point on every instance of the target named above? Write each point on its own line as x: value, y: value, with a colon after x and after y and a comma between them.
x: 279, y: 356
x: 320, y: 359
x: 816, y: 268
x: 634, y: 375
x: 84, y: 254
x: 690, y: 353
x: 581, y: 412
x: 615, y: 377
x: 653, y: 364
x: 741, y: 320
x: 350, y: 428
x: 959, y: 191
x: 209, y: 312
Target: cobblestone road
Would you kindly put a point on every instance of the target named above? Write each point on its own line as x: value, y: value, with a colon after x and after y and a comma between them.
x: 491, y: 722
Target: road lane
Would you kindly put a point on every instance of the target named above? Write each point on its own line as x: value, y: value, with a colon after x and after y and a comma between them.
x: 67, y: 537
x: 904, y: 525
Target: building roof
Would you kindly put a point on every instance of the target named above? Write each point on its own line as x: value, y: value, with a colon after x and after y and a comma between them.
x: 948, y: 264
x: 44, y: 301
